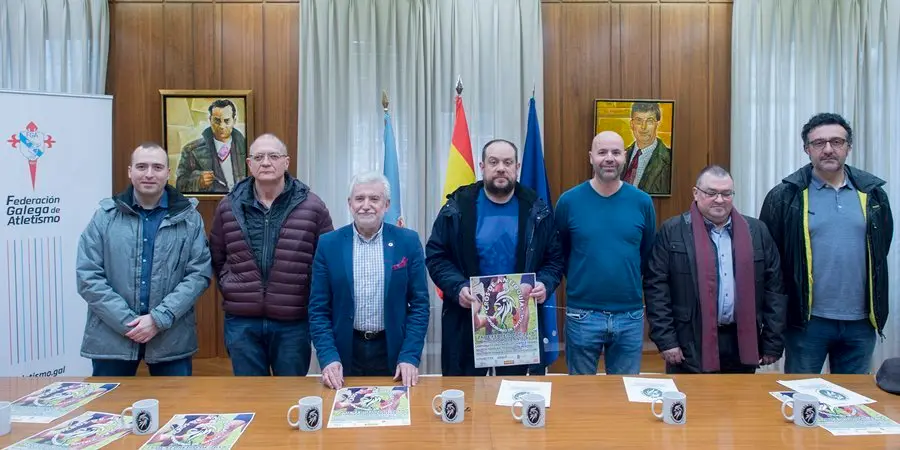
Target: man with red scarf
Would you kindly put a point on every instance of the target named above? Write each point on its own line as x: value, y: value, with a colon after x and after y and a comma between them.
x: 715, y: 300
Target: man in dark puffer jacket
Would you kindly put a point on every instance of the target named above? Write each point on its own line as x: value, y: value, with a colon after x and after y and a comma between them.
x: 263, y: 239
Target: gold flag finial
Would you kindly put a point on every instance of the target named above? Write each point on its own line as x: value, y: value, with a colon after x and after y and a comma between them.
x: 384, y: 100
x: 459, y: 87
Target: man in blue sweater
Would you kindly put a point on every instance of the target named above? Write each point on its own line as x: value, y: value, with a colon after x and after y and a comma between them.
x: 606, y: 228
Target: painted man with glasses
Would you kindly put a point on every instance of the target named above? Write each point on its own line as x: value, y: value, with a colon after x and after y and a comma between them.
x: 833, y: 227
x: 648, y: 162
x: 263, y: 240
x: 713, y: 287
x: 214, y: 162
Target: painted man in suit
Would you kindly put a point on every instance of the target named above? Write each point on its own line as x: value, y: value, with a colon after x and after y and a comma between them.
x: 648, y: 160
x: 368, y: 305
x: 216, y: 161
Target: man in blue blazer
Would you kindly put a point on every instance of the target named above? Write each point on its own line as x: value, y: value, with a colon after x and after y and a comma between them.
x: 368, y: 304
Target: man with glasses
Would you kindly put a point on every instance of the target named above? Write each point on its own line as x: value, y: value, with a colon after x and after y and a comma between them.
x: 214, y: 162
x: 833, y: 227
x: 713, y: 288
x: 263, y: 240
x: 648, y: 162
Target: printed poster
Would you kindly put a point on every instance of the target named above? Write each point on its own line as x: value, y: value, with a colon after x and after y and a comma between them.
x: 504, y: 320
x: 853, y: 420
x: 370, y: 406
x: 200, y: 431
x: 56, y: 400
x: 827, y: 392
x: 89, y: 431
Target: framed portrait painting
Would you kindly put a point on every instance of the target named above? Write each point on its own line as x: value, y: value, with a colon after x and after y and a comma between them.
x: 647, y: 128
x: 207, y: 135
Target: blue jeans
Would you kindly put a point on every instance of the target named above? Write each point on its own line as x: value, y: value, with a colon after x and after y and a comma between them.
x: 589, y: 333
x: 263, y: 347
x: 848, y: 344
x: 119, y: 368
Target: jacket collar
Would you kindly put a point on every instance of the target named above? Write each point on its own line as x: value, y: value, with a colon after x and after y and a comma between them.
x: 862, y: 180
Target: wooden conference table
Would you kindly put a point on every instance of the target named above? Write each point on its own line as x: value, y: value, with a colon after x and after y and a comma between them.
x: 724, y: 411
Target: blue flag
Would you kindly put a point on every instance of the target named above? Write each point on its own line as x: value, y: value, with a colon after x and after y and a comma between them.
x: 392, y: 172
x: 534, y: 175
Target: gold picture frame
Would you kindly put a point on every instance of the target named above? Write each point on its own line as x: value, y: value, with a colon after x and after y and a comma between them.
x: 649, y: 121
x: 207, y: 134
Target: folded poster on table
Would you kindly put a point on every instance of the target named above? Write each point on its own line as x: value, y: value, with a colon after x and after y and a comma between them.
x: 56, y: 400
x: 89, y: 431
x: 510, y: 391
x: 370, y: 406
x: 858, y: 420
x: 504, y: 320
x: 200, y: 431
x: 645, y: 390
x: 827, y: 392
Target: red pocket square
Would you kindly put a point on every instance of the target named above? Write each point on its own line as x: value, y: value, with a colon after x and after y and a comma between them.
x: 400, y: 264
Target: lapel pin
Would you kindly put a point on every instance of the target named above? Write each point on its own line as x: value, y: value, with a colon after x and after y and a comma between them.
x: 390, y: 244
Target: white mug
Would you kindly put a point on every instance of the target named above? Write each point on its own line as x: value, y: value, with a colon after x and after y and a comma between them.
x: 452, y: 406
x: 5, y: 418
x: 309, y: 414
x: 145, y: 416
x: 533, y: 411
x: 674, y: 408
x: 805, y: 410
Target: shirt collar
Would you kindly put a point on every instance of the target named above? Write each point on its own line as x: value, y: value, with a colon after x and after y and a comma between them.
x: 163, y: 202
x: 374, y: 236
x: 649, y: 149
x: 711, y: 227
x: 819, y: 184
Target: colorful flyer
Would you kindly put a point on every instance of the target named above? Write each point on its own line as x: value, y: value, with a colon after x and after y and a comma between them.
x: 504, y: 320
x: 200, y: 431
x: 370, y: 406
x: 858, y: 420
x: 56, y: 400
x: 89, y: 431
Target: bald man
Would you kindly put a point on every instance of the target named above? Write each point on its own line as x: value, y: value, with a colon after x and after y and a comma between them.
x: 263, y: 240
x: 606, y: 228
x: 152, y: 230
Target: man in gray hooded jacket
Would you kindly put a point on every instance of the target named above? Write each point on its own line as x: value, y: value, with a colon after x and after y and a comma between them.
x: 142, y: 262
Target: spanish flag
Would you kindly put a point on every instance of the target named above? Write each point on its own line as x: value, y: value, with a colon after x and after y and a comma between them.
x: 460, y: 165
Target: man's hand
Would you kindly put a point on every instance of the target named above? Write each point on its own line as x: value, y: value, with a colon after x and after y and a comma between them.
x: 466, y: 298
x: 144, y: 329
x: 408, y: 373
x: 768, y: 359
x: 539, y: 293
x: 206, y: 178
x: 673, y: 356
x: 333, y: 375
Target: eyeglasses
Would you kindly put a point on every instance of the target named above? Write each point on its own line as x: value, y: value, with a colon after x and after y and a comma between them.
x: 836, y: 143
x: 274, y: 157
x: 727, y: 195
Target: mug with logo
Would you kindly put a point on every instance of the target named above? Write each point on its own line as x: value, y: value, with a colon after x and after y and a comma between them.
x: 452, y: 406
x: 805, y: 410
x: 145, y: 415
x: 5, y: 418
x: 532, y: 410
x: 674, y: 408
x: 309, y: 414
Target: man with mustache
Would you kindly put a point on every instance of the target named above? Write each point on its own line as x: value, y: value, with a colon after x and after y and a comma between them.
x: 833, y: 226
x: 606, y: 228
x: 492, y: 227
x: 713, y: 288
x: 648, y: 162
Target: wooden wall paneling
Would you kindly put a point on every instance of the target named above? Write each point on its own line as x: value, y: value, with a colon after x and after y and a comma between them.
x: 133, y: 77
x: 637, y: 54
x: 585, y: 68
x: 242, y: 53
x: 553, y: 79
x: 278, y: 108
x: 179, y: 45
x: 207, y: 46
x: 684, y: 61
x: 720, y: 84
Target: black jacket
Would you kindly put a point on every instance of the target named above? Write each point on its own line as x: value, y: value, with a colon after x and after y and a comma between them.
x: 451, y: 258
x: 673, y: 302
x: 782, y: 212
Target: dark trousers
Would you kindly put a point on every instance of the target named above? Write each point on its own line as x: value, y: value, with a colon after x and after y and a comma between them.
x: 263, y: 347
x: 370, y: 356
x: 729, y: 354
x: 119, y: 368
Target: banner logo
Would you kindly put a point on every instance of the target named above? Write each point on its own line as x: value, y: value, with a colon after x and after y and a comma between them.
x: 32, y: 144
